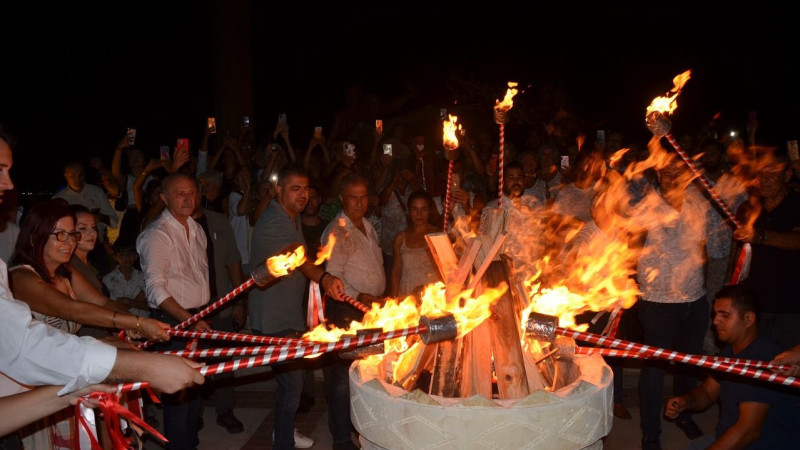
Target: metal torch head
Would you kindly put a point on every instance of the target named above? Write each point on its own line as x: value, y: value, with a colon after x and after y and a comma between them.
x: 541, y: 327
x: 377, y: 348
x: 451, y: 154
x: 658, y: 124
x: 261, y: 274
x: 500, y: 116
x: 438, y: 329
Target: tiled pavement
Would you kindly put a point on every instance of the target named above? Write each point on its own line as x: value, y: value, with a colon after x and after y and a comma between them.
x: 254, y: 397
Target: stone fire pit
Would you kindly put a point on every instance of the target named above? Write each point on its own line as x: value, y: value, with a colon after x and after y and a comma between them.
x: 576, y: 416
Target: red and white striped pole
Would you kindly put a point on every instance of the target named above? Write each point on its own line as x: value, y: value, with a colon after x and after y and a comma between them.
x: 500, y: 165
x: 236, y: 337
x: 613, y: 352
x: 448, y: 194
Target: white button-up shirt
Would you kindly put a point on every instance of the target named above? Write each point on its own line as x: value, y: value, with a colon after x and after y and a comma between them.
x: 33, y: 353
x: 356, y: 258
x: 173, y: 265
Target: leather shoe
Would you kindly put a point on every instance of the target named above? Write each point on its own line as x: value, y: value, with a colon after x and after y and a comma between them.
x: 230, y: 423
x: 689, y: 428
x: 621, y: 412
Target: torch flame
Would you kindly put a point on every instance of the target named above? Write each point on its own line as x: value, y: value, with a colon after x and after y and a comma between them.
x: 325, y: 251
x: 667, y: 104
x: 449, y: 133
x: 281, y: 265
x: 507, y: 103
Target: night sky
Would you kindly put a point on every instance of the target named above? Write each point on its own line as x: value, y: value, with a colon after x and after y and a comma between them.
x: 73, y: 76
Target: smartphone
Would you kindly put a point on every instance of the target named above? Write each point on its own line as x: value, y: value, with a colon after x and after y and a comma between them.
x: 246, y: 121
x: 212, y: 125
x: 793, y: 153
x: 387, y: 149
x: 273, y: 178
x: 456, y: 181
x: 164, y: 152
x: 349, y: 150
x: 131, y: 135
x: 379, y: 127
x: 318, y: 132
x: 601, y: 137
x: 182, y: 146
x: 282, y: 118
x: 565, y: 162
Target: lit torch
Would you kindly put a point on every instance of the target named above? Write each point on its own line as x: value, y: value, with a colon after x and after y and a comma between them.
x: 657, y: 121
x: 450, y: 146
x: 501, y: 118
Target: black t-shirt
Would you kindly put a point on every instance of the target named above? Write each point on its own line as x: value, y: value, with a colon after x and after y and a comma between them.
x: 775, y: 273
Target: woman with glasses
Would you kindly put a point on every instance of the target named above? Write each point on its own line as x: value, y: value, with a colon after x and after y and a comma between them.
x: 62, y: 297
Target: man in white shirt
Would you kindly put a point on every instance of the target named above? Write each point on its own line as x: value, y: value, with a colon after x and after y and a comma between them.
x: 173, y: 256
x: 357, y: 260
x: 78, y: 192
x: 34, y: 353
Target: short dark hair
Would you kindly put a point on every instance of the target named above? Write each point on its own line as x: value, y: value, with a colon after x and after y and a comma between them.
x: 291, y: 170
x: 6, y: 136
x: 350, y: 179
x: 743, y: 298
x: 513, y: 165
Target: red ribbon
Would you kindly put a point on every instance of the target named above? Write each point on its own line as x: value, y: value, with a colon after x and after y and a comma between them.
x: 113, y: 412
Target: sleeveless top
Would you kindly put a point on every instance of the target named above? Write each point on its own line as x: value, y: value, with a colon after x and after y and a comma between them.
x: 64, y: 325
x: 418, y: 269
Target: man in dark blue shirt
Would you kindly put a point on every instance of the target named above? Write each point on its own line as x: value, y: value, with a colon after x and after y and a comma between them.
x: 753, y: 414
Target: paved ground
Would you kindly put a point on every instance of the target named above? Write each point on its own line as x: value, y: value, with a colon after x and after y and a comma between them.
x: 254, y: 397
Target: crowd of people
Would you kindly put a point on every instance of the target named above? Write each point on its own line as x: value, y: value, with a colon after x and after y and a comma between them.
x: 142, y: 244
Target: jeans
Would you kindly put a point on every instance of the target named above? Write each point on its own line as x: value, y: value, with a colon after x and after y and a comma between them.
x: 290, y: 376
x: 674, y: 326
x: 337, y: 393
x: 183, y: 409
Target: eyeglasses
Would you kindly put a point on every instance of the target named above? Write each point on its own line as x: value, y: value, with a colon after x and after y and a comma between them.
x: 61, y: 235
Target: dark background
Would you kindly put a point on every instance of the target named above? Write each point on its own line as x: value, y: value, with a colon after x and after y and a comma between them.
x: 73, y: 76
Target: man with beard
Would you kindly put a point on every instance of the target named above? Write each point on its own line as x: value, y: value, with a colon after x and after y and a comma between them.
x: 522, y: 243
x: 277, y: 309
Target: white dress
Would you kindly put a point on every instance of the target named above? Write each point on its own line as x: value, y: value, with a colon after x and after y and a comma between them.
x: 418, y: 269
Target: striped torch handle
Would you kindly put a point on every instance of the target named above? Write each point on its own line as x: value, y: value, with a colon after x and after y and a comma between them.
x: 703, y: 180
x: 500, y: 165
x: 661, y: 353
x: 208, y: 309
x: 450, y: 168
x: 237, y: 337
x: 613, y: 352
x: 284, y: 353
x: 355, y: 303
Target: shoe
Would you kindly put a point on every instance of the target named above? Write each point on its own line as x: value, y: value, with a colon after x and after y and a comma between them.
x: 621, y: 412
x: 300, y: 441
x: 230, y: 423
x: 651, y: 443
x: 689, y: 428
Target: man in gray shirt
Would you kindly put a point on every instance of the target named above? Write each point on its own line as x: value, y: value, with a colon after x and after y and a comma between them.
x: 277, y: 309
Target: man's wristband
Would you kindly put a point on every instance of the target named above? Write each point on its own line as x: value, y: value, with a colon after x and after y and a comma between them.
x: 322, y: 277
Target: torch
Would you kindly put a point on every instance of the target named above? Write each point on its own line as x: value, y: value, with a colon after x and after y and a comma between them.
x: 658, y: 123
x: 501, y: 118
x: 292, y: 257
x: 450, y: 146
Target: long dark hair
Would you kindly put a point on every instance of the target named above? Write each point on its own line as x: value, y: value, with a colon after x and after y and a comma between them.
x: 433, y: 214
x: 34, y: 232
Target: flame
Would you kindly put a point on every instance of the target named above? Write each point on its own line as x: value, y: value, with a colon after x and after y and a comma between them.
x: 507, y: 103
x: 667, y: 104
x: 449, y: 133
x: 580, y: 139
x: 325, y: 251
x: 281, y: 265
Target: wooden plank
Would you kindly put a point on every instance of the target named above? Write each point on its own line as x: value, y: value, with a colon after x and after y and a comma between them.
x: 443, y: 253
x: 489, y: 257
x: 476, y: 378
x: 447, y: 369
x: 509, y: 363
